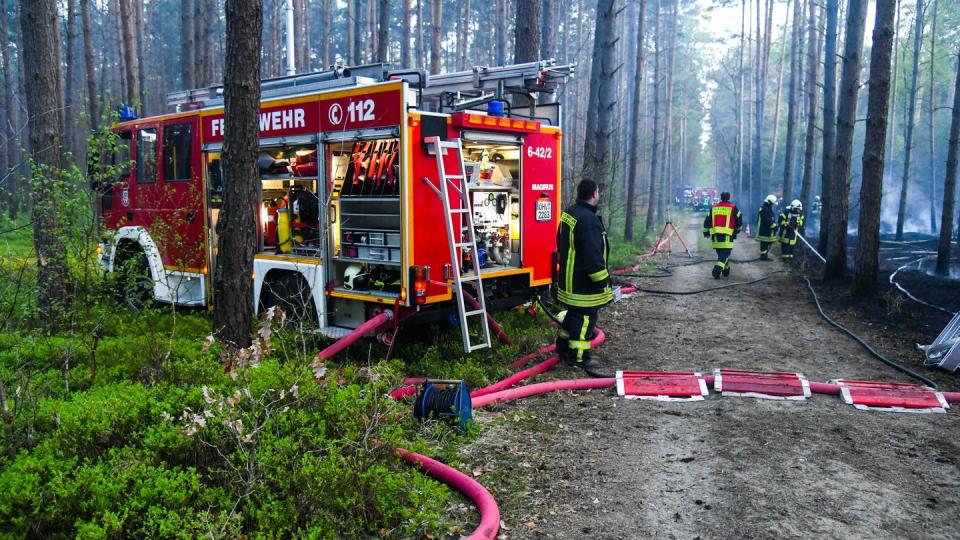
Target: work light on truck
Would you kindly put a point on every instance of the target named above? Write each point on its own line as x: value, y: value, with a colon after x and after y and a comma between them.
x: 421, y: 275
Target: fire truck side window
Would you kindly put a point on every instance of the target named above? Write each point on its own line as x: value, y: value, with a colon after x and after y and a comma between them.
x: 121, y: 151
x: 176, y: 153
x: 147, y: 156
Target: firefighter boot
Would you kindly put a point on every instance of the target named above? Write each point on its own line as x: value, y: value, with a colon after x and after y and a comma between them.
x: 587, y: 363
x: 716, y: 271
x: 726, y: 271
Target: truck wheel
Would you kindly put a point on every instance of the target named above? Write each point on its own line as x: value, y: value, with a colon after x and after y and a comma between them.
x: 134, y: 286
x: 291, y: 293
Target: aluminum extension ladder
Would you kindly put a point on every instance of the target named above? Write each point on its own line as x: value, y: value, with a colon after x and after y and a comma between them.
x: 945, y: 350
x: 462, y: 241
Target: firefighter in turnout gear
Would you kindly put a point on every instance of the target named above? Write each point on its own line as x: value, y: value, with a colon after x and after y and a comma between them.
x: 767, y: 226
x: 583, y: 283
x: 791, y: 220
x: 722, y: 225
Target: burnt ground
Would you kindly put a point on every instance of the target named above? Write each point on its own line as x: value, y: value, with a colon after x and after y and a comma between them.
x: 593, y: 465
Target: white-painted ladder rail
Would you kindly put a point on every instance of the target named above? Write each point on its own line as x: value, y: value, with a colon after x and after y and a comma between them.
x: 461, y: 239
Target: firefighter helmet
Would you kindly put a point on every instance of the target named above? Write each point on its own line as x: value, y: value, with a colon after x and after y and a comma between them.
x: 772, y: 199
x: 355, y: 279
x: 796, y: 205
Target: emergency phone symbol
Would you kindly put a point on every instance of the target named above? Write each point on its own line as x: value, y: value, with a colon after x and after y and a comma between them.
x: 125, y: 198
x: 335, y: 114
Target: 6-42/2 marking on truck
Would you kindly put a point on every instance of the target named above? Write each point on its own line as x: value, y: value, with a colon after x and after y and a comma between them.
x: 541, y: 152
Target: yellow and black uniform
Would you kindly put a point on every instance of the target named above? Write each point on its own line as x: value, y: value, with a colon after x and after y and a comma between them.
x: 790, y: 221
x: 722, y: 225
x: 766, y: 229
x: 583, y: 282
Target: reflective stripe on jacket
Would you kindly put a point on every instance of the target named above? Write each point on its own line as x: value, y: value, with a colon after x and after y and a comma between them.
x: 722, y: 224
x: 789, y: 223
x: 582, y: 250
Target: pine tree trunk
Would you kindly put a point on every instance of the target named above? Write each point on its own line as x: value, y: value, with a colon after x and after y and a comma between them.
x: 892, y: 134
x: 273, y: 68
x: 383, y: 32
x: 666, y: 175
x: 527, y: 41
x: 740, y: 98
x: 813, y: 72
x: 131, y: 69
x: 950, y: 183
x: 596, y: 150
x: 237, y: 228
x: 829, y: 120
x: 357, y: 20
x: 655, y: 153
x: 187, y: 80
x: 871, y: 190
x: 836, y: 266
x: 756, y: 173
x: 10, y: 116
x: 92, y: 97
x: 635, y: 130
x: 371, y: 31
x: 793, y: 102
x: 501, y: 17
x: 40, y: 28
x: 70, y: 92
x: 303, y: 38
x: 911, y: 121
x: 421, y: 36
x: 776, y: 107
x: 932, y: 109
x: 405, y: 60
x: 436, y: 33
x: 548, y: 30
x: 141, y: 64
x: 326, y: 58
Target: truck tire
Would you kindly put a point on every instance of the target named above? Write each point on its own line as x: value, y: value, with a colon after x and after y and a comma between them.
x: 134, y: 284
x: 291, y: 293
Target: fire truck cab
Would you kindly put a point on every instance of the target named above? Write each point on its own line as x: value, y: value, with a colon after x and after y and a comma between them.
x: 349, y: 222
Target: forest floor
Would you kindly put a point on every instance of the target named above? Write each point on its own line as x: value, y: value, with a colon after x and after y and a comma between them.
x: 593, y: 465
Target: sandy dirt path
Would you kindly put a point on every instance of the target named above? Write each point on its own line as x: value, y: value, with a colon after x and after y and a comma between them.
x: 593, y: 465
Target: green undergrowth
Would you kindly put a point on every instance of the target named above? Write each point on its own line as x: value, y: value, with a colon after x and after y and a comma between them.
x: 146, y: 434
x: 125, y: 423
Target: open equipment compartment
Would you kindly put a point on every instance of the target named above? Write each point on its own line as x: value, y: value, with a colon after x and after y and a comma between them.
x: 493, y: 172
x: 364, y: 182
x: 289, y: 217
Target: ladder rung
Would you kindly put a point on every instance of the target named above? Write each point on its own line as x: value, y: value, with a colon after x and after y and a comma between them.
x: 459, y: 210
x: 464, y: 244
x: 454, y: 177
x: 474, y: 313
x: 469, y: 277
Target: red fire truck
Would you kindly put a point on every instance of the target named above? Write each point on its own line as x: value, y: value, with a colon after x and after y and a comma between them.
x: 355, y: 217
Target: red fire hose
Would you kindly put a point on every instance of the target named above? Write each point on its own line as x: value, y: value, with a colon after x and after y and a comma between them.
x: 352, y: 337
x: 542, y: 388
x: 489, y: 511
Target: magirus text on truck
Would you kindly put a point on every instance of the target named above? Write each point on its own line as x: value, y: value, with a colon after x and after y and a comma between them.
x: 381, y: 190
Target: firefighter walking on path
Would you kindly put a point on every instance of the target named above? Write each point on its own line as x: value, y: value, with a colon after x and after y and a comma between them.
x: 791, y: 220
x: 583, y: 283
x: 767, y: 226
x: 722, y: 226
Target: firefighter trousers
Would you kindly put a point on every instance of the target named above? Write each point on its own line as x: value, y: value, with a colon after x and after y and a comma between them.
x: 786, y: 250
x: 723, y: 262
x: 573, y: 339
